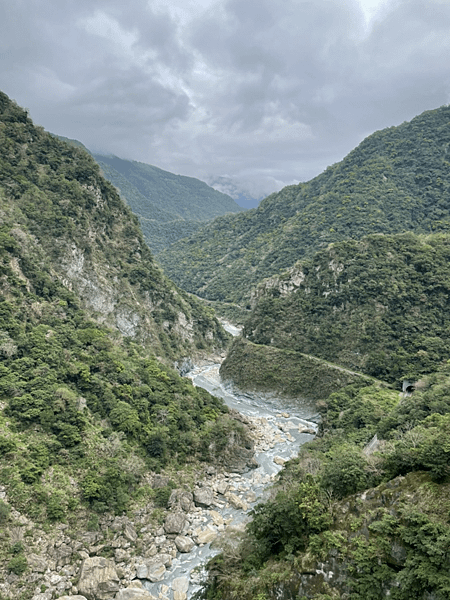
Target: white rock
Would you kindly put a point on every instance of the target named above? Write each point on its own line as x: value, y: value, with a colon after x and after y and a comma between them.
x: 180, y: 584
x: 205, y: 536
x: 236, y: 502
x: 133, y: 593
x: 184, y: 543
x: 216, y: 517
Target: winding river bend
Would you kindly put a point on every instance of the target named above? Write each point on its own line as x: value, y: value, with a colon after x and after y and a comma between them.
x: 281, y: 427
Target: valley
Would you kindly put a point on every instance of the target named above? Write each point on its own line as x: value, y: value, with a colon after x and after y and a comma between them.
x: 297, y: 448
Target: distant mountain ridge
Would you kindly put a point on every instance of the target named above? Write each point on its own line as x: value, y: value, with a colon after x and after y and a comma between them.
x: 397, y: 179
x: 169, y: 206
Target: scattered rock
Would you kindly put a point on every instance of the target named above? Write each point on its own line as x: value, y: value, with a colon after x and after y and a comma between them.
x: 37, y: 563
x: 278, y: 460
x: 180, y: 584
x: 222, y: 487
x: 205, y: 536
x: 134, y: 593
x: 152, y: 569
x: 251, y: 497
x: 305, y: 429
x: 159, y: 481
x: 130, y: 533
x: 236, y: 502
x: 182, y: 499
x: 216, y: 517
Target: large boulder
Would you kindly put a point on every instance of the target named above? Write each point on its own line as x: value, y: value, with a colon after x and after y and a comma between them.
x: 175, y: 522
x: 204, y: 497
x: 181, y: 499
x: 98, y: 579
x: 153, y: 569
x: 134, y: 593
x: 180, y: 587
x: 236, y: 502
x: 37, y: 563
x: 130, y: 532
x: 184, y: 543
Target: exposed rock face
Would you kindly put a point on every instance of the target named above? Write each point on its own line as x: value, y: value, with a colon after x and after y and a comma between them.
x: 98, y: 579
x: 284, y: 285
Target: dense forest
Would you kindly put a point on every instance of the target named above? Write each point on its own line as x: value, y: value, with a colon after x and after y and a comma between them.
x: 363, y: 512
x: 168, y: 206
x: 379, y: 306
x: 349, y: 519
x: 396, y: 180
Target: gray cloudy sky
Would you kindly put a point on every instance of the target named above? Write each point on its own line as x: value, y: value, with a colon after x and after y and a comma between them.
x: 256, y: 94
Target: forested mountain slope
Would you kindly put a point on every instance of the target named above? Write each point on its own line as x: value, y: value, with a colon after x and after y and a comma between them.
x: 88, y: 415
x: 91, y: 239
x: 397, y: 179
x: 169, y: 206
x: 380, y: 306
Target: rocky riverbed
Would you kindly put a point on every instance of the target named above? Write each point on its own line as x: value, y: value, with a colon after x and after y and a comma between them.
x: 132, y: 557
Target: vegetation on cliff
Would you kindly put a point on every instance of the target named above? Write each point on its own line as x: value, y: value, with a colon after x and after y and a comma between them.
x: 55, y: 194
x: 396, y: 180
x: 261, y: 368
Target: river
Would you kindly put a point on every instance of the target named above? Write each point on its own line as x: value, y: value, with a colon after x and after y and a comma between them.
x: 282, y: 424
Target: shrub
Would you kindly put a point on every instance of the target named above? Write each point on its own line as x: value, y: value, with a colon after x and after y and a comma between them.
x: 18, y: 565
x: 345, y: 473
x: 5, y: 509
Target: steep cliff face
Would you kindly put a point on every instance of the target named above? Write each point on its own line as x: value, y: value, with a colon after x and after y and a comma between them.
x: 55, y: 193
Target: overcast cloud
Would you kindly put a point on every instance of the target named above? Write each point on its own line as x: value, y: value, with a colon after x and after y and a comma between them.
x: 254, y: 94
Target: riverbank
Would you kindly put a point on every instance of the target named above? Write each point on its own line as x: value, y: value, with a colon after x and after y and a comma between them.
x: 157, y: 553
